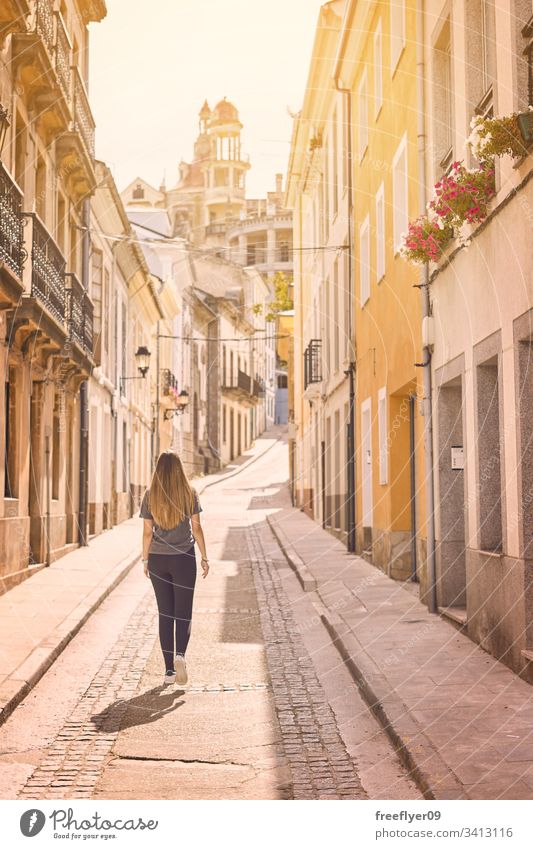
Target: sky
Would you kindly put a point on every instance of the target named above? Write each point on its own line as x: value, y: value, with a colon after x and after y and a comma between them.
x: 153, y: 63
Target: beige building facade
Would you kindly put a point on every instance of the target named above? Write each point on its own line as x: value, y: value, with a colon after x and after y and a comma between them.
x: 317, y: 192
x: 482, y: 302
x: 48, y: 173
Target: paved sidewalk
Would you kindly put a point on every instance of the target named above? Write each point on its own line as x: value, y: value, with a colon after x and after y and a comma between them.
x: 461, y: 720
x: 40, y: 616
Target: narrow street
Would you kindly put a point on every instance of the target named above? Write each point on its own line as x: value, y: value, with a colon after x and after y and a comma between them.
x: 270, y: 710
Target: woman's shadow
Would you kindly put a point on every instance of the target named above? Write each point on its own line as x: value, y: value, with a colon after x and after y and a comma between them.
x: 140, y: 710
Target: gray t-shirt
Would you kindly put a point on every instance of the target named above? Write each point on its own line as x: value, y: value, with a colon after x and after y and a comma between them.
x: 175, y: 540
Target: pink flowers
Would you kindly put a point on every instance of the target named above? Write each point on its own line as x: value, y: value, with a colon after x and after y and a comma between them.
x: 424, y: 241
x: 461, y: 196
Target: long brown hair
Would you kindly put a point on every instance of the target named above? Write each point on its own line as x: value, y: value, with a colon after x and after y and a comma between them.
x: 171, y: 496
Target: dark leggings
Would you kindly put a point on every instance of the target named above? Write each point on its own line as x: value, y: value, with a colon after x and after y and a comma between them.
x: 173, y: 577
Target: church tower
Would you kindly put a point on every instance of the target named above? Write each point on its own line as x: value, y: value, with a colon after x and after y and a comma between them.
x: 225, y: 167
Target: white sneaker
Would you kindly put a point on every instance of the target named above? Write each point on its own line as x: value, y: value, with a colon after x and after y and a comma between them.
x: 170, y: 676
x: 181, y: 669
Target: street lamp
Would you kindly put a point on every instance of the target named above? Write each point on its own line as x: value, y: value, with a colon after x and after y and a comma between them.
x: 182, y: 400
x: 4, y: 126
x: 142, y: 358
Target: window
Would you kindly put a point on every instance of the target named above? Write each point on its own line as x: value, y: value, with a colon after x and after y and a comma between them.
x: 399, y: 193
x: 480, y: 28
x: 224, y: 425
x: 336, y: 316
x: 364, y: 261
x: 363, y: 116
x: 10, y: 436
x: 250, y: 254
x: 55, y: 447
x: 325, y: 200
x: 383, y: 436
x: 326, y: 318
x: 96, y: 297
x: 346, y: 129
x: 105, y: 309
x: 40, y: 189
x: 282, y: 381
x: 347, y: 305
x: 443, y: 117
x: 124, y: 341
x: 378, y: 71
x: 397, y: 32
x: 138, y: 192
x: 124, y: 457
x: 380, y: 233
x: 335, y: 164
x: 221, y: 177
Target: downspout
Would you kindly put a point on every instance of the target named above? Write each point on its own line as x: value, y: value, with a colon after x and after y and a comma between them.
x: 157, y: 439
x: 426, y: 312
x: 47, y: 452
x: 350, y: 371
x: 84, y: 428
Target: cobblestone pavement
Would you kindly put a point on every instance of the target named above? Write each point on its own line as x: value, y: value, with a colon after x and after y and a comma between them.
x: 320, y: 765
x: 75, y: 761
x: 256, y: 720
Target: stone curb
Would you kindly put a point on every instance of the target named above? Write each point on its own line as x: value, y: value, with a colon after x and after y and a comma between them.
x: 24, y: 678
x: 308, y: 582
x: 433, y: 776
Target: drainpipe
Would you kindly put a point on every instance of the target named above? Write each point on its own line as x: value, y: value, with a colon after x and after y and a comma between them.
x: 47, y: 434
x: 350, y: 371
x: 84, y: 424
x: 426, y: 312
x: 157, y: 439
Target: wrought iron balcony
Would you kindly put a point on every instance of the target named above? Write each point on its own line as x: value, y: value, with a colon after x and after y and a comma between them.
x: 47, y: 268
x: 244, y: 381
x: 75, y: 296
x: 83, y: 117
x: 241, y: 386
x: 79, y: 314
x: 44, y: 23
x: 11, y: 233
x: 258, y: 388
x: 88, y: 318
x: 313, y: 362
x: 63, y: 49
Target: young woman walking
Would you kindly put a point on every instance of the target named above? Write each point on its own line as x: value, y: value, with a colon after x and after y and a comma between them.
x: 170, y: 509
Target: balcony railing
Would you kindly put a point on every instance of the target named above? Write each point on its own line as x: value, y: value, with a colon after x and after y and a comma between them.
x: 62, y: 53
x: 83, y: 118
x: 313, y: 362
x: 47, y: 269
x: 75, y: 297
x: 88, y: 317
x: 79, y: 314
x: 11, y: 236
x: 44, y: 23
x: 258, y: 388
x: 237, y: 380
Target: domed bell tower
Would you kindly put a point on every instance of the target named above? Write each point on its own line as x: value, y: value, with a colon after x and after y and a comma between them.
x: 225, y: 168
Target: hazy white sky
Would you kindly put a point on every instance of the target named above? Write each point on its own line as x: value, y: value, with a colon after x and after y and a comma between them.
x: 153, y: 63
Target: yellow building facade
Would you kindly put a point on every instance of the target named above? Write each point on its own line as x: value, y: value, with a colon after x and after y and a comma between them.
x: 378, y: 61
x: 353, y: 184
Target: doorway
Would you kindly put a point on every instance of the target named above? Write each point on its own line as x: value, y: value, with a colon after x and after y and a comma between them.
x: 366, y: 464
x: 451, y: 558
